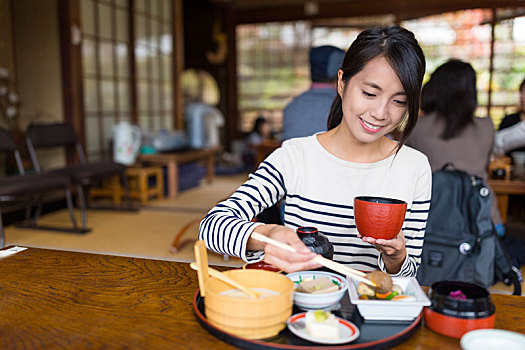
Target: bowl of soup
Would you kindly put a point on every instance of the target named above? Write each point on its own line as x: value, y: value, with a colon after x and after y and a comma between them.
x: 379, y: 217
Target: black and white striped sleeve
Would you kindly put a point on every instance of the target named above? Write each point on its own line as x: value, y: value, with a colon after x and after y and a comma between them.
x: 415, y: 224
x: 227, y: 227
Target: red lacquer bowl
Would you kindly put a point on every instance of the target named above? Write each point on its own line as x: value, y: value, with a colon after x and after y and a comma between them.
x: 454, y: 317
x: 379, y: 217
x: 261, y: 265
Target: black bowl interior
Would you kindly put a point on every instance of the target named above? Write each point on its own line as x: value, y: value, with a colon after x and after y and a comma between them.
x: 476, y: 305
x: 383, y: 200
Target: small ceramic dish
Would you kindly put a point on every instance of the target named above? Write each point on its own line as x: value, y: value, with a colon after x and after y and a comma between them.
x: 309, y: 301
x: 492, y: 339
x: 347, y: 330
x: 391, y: 310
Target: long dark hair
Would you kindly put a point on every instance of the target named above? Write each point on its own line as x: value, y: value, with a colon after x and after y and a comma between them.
x: 258, y: 123
x: 402, y: 51
x: 451, y: 93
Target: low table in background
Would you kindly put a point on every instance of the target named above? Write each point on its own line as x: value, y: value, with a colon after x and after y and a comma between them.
x: 57, y: 299
x: 172, y: 160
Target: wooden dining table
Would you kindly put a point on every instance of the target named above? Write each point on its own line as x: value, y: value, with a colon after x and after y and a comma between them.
x: 51, y: 299
x: 505, y: 188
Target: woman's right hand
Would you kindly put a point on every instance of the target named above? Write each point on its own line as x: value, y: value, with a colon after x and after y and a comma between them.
x: 281, y: 258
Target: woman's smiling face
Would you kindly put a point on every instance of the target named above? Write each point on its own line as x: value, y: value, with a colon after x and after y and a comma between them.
x: 374, y: 101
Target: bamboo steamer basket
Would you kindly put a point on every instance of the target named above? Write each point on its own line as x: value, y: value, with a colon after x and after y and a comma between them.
x: 247, y: 317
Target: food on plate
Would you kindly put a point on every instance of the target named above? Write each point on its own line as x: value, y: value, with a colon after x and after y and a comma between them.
x: 237, y: 293
x: 386, y: 289
x: 318, y: 285
x: 364, y: 290
x: 322, y: 324
x: 369, y: 293
x: 382, y: 280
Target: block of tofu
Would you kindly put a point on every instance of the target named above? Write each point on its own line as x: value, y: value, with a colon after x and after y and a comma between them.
x: 322, y: 324
x: 319, y: 285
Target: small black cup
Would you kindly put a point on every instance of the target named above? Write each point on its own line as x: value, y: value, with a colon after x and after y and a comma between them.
x: 316, y: 241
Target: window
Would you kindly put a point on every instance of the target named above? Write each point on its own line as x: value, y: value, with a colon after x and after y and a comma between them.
x: 272, y: 68
x: 109, y: 81
x: 273, y: 57
x: 153, y: 56
x: 105, y: 58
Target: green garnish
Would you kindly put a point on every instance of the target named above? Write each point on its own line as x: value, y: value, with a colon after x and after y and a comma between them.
x: 320, y: 315
x: 391, y: 295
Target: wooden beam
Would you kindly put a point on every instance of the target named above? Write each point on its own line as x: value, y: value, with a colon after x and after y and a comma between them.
x: 404, y: 9
x: 178, y: 63
x: 232, y: 117
x: 491, y: 62
x: 71, y: 63
x: 134, y: 104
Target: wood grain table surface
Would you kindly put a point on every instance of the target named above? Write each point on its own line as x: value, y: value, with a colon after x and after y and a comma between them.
x: 503, y: 189
x: 52, y: 299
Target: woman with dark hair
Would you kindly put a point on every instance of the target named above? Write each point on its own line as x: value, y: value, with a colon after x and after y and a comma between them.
x: 260, y: 132
x: 449, y: 131
x: 318, y: 176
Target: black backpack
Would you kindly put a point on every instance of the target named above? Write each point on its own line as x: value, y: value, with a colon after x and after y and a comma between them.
x: 460, y: 241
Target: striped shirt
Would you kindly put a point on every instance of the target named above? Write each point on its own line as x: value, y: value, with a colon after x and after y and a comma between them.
x: 318, y: 190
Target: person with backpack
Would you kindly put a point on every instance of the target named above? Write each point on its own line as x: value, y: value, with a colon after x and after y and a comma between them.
x: 449, y: 132
x: 318, y: 176
x: 460, y: 236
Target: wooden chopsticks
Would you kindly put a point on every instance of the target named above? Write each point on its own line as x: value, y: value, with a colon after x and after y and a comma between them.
x: 219, y: 275
x: 332, y: 265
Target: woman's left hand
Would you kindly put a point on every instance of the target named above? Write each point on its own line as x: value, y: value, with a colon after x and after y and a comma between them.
x: 393, y: 250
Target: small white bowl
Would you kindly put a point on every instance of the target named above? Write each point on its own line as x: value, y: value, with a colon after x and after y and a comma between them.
x: 492, y: 339
x: 309, y: 301
x: 393, y: 310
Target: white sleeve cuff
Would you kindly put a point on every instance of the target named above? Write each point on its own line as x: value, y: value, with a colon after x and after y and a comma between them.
x: 250, y: 256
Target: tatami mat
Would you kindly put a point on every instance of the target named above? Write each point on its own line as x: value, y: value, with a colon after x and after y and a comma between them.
x: 147, y: 233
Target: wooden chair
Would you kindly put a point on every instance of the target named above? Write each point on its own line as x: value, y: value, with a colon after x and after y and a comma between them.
x: 28, y: 189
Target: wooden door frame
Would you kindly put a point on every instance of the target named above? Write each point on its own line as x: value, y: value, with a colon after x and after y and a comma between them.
x: 69, y: 18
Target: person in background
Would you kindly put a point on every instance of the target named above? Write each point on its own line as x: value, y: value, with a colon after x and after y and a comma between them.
x: 307, y: 113
x: 261, y: 131
x: 448, y: 130
x: 513, y: 119
x: 511, y: 138
x: 318, y: 176
x: 203, y: 123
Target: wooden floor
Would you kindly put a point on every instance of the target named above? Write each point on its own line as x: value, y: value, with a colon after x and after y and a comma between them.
x: 149, y: 232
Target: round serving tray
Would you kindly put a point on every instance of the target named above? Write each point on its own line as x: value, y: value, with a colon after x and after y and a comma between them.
x: 374, y: 335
